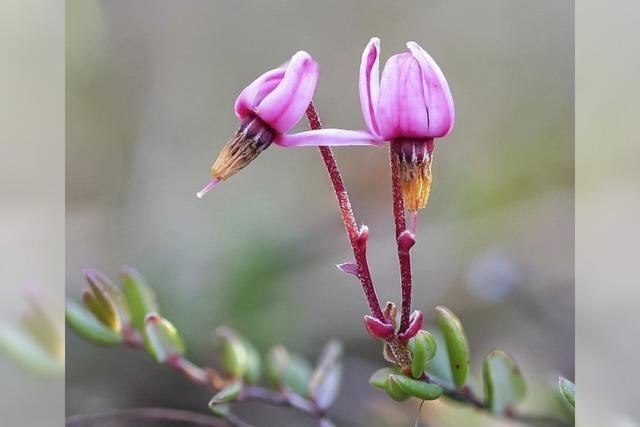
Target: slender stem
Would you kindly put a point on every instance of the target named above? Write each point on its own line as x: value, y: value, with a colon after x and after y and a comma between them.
x: 152, y: 414
x: 465, y: 396
x: 404, y: 254
x: 358, y: 244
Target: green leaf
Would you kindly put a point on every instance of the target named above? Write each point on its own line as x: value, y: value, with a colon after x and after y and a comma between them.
x: 106, y: 293
x: 162, y: 338
x: 140, y: 296
x: 504, y: 385
x: 419, y: 389
x: 394, y: 390
x: 423, y: 348
x: 23, y: 350
x: 235, y: 356
x: 254, y: 362
x: 85, y: 324
x: 324, y: 384
x: 227, y: 394
x: 568, y: 391
x: 220, y: 410
x: 379, y: 378
x: 456, y: 343
x: 286, y: 369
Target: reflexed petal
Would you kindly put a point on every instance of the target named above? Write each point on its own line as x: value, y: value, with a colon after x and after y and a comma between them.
x: 437, y: 93
x: 402, y: 107
x: 285, y: 105
x: 251, y: 96
x: 370, y: 83
x: 328, y: 137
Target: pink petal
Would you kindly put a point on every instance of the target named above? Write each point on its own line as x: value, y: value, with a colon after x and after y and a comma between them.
x: 328, y: 137
x: 286, y: 104
x: 378, y: 329
x: 402, y: 108
x: 251, y: 96
x: 349, y: 268
x: 415, y: 324
x: 369, y: 83
x: 437, y: 93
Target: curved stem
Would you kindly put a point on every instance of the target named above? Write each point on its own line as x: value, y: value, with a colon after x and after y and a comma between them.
x: 358, y: 242
x: 152, y: 414
x: 404, y: 254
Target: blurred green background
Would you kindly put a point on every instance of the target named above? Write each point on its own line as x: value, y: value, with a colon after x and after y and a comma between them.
x: 150, y: 92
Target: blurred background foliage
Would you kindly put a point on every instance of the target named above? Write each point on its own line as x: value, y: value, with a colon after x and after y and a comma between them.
x: 150, y: 92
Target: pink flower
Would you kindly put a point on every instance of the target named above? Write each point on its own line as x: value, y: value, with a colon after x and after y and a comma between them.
x: 409, y: 106
x: 268, y: 108
x: 412, y: 100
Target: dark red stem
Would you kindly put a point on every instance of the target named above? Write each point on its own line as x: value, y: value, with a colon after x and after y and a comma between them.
x: 404, y: 248
x: 358, y: 243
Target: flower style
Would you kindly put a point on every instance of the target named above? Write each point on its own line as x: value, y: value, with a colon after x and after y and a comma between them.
x: 268, y: 108
x: 409, y: 106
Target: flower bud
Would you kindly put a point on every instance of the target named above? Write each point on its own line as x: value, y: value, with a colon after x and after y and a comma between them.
x: 378, y: 329
x: 415, y: 323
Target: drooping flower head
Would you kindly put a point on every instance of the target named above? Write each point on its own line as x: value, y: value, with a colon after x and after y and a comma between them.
x: 409, y: 106
x: 268, y: 108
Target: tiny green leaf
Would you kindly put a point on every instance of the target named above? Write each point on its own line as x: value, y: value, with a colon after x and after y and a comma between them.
x: 394, y: 390
x: 227, y: 394
x: 379, y: 378
x: 162, y: 338
x: 107, y: 293
x: 140, y: 296
x: 219, y: 410
x: 85, y: 324
x: 23, y: 350
x: 286, y: 369
x: 235, y: 356
x: 419, y: 389
x: 254, y: 362
x: 568, y: 390
x: 423, y: 349
x: 504, y: 385
x: 456, y: 343
x: 327, y: 376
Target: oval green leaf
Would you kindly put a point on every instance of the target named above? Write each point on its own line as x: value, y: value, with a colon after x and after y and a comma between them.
x: 394, y: 390
x: 162, y: 338
x: 286, y: 369
x: 140, y: 296
x: 85, y: 324
x: 423, y: 348
x: 379, y: 378
x: 325, y: 380
x: 23, y: 350
x: 504, y: 385
x: 568, y: 391
x: 456, y: 343
x: 235, y: 356
x: 227, y: 394
x: 419, y: 389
